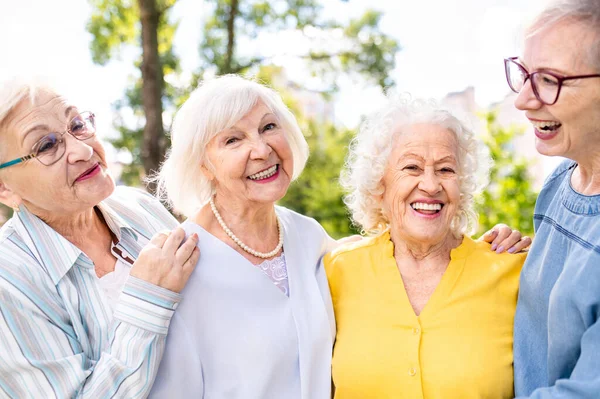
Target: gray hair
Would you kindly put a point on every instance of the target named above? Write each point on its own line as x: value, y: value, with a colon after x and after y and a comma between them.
x: 583, y: 11
x: 371, y: 148
x: 16, y: 89
x: 217, y: 104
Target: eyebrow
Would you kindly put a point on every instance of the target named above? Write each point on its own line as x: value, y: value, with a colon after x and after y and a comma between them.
x: 68, y: 110
x: 33, y: 129
x: 449, y: 158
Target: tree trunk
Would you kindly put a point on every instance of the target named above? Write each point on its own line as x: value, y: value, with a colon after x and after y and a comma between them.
x: 154, y: 141
x: 233, y: 11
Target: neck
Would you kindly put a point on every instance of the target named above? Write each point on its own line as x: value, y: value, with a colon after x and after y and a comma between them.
x: 586, y: 177
x: 422, y: 252
x: 80, y: 229
x: 254, y: 224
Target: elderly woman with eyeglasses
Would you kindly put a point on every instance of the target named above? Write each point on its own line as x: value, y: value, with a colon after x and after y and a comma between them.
x: 557, y: 324
x: 421, y: 309
x: 87, y: 289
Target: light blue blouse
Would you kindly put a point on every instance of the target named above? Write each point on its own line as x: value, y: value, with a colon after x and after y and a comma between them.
x: 557, y: 323
x: 237, y: 335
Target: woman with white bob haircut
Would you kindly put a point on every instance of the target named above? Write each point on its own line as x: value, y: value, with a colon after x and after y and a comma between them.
x: 422, y: 310
x: 257, y: 322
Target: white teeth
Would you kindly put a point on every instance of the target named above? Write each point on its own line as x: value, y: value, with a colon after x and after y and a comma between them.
x: 426, y: 207
x: 264, y: 174
x: 546, y: 125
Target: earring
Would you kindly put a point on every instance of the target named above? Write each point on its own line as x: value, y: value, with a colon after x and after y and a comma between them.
x: 16, y: 207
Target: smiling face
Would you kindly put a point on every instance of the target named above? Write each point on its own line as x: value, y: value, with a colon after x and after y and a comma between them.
x: 571, y: 127
x: 75, y: 183
x: 421, y: 185
x: 251, y: 162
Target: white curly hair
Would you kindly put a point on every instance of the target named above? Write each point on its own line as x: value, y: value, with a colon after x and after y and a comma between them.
x: 370, y: 149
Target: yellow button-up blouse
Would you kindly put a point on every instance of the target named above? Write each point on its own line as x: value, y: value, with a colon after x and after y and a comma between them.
x: 460, y: 346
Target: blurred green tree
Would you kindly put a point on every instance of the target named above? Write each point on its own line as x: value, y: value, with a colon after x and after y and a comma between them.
x: 357, y: 48
x: 510, y: 197
x: 143, y: 23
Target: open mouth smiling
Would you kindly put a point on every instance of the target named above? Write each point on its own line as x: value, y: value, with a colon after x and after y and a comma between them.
x: 427, y: 208
x: 264, y: 174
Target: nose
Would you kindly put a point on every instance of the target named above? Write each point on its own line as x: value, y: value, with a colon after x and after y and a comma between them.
x: 430, y: 182
x: 78, y: 150
x: 260, y: 149
x: 526, y: 99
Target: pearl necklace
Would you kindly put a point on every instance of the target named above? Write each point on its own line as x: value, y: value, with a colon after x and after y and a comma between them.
x: 263, y: 255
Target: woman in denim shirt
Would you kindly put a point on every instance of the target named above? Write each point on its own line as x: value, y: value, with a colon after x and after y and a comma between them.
x: 557, y: 327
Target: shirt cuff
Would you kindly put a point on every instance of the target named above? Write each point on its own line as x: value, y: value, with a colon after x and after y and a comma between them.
x: 146, y: 305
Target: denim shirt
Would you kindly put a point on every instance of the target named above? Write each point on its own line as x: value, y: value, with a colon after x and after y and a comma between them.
x: 557, y: 328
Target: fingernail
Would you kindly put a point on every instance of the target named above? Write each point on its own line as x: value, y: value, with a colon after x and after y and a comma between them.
x: 500, y: 250
x: 494, y: 246
x: 195, y: 236
x: 512, y: 250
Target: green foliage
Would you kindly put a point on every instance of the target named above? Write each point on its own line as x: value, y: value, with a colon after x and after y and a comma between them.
x: 509, y: 198
x: 115, y: 26
x: 358, y: 48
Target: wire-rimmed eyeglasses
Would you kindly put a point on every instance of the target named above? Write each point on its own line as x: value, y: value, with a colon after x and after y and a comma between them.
x: 50, y: 148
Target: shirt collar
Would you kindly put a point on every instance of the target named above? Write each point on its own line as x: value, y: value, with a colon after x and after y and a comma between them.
x: 54, y: 252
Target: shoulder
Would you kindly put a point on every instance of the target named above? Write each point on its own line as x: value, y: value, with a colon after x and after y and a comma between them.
x: 131, y: 196
x: 560, y: 173
x: 353, y: 254
x: 289, y: 216
x: 135, y: 204
x: 483, y: 260
x: 20, y: 272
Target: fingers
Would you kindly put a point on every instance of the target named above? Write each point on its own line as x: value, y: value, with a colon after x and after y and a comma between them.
x: 159, y: 238
x: 502, y: 232
x: 513, y: 238
x: 186, y: 250
x: 521, y: 245
x: 174, y: 240
x: 489, y: 235
x: 190, y: 264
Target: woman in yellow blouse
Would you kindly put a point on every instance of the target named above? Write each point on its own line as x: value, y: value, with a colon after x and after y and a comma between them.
x: 422, y: 311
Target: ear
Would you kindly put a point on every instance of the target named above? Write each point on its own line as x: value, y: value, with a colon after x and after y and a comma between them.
x: 207, y: 173
x: 9, y: 197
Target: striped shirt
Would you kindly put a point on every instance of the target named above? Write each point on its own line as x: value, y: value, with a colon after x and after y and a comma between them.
x: 58, y: 335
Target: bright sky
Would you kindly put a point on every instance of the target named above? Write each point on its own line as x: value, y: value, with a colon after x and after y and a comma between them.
x: 447, y: 45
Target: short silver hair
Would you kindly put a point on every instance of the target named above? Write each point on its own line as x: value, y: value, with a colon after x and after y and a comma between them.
x: 16, y: 89
x: 217, y: 104
x: 582, y: 11
x: 370, y: 149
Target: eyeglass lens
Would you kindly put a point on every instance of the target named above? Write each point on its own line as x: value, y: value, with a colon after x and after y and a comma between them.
x: 545, y: 86
x: 51, y: 147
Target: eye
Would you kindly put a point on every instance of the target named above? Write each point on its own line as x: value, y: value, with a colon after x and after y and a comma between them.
x: 47, y: 144
x: 231, y: 140
x: 447, y: 170
x: 269, y: 126
x: 78, y: 126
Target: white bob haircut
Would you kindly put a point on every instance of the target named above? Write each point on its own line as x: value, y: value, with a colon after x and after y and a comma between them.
x: 217, y: 104
x: 370, y: 149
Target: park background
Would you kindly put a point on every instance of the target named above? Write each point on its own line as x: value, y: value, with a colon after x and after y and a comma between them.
x: 133, y: 62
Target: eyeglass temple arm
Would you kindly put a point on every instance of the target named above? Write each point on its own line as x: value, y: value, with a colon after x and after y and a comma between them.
x: 16, y: 161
